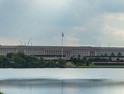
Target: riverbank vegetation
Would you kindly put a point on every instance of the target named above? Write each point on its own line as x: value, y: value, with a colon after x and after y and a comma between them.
x: 1, y: 93
x: 95, y: 61
x: 20, y: 60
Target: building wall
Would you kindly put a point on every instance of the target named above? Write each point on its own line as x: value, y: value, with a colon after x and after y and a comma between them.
x: 68, y: 51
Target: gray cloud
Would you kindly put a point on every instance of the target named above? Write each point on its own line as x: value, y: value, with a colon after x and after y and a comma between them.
x: 112, y: 6
x: 45, y: 20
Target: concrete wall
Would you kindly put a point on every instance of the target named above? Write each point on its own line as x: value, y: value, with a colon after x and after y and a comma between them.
x: 68, y: 51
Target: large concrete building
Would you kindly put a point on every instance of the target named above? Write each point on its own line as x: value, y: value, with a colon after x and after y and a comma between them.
x: 56, y: 51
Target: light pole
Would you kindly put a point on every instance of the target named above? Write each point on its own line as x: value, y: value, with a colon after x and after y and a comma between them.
x: 62, y: 44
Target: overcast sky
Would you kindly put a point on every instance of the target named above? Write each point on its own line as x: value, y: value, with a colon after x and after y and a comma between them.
x: 83, y: 22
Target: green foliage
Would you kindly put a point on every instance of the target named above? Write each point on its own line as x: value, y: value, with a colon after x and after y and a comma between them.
x: 42, y: 63
x: 10, y: 55
x: 119, y: 54
x: 61, y: 63
x: 105, y: 54
x: 112, y: 54
x: 1, y: 93
x: 87, y: 63
x: 51, y: 64
x: 20, y: 60
x: 4, y: 62
x: 110, y: 59
x: 118, y: 59
x: 79, y: 61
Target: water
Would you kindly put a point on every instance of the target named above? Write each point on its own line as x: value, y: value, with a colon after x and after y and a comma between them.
x: 62, y: 81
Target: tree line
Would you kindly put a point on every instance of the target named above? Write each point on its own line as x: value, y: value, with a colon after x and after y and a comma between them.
x: 86, y: 61
x: 20, y: 60
x: 1, y: 93
x: 112, y: 55
x: 80, y: 61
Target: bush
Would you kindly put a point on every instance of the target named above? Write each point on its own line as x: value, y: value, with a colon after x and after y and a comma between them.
x: 1, y: 93
x: 61, y: 63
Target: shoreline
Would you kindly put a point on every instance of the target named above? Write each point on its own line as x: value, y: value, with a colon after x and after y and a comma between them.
x: 63, y: 68
x: 101, y: 67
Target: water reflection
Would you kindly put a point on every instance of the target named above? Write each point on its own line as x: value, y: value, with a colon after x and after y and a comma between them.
x: 62, y: 81
x: 73, y: 86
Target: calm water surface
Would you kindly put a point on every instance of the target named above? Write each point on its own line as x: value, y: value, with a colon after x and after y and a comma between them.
x: 62, y: 81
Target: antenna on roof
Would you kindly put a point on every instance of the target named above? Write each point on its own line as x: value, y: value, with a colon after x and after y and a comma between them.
x: 28, y: 42
x: 21, y: 42
x: 31, y: 43
x: 25, y: 43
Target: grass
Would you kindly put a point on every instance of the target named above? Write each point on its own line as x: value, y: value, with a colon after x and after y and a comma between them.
x: 1, y: 93
x: 94, y: 66
x: 108, y: 65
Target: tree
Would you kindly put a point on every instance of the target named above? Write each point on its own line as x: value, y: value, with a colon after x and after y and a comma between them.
x: 118, y: 59
x: 32, y: 61
x: 84, y: 58
x: 112, y: 54
x: 119, y: 54
x: 42, y: 63
x: 87, y: 63
x: 51, y: 64
x: 110, y: 59
x: 105, y: 55
x: 72, y: 58
x: 79, y: 56
x: 21, y: 54
x: 19, y: 62
x: 61, y: 63
x: 91, y: 59
x: 1, y: 93
x: 4, y: 62
x: 10, y: 55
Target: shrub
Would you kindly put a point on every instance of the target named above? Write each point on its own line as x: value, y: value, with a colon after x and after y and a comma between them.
x: 1, y: 93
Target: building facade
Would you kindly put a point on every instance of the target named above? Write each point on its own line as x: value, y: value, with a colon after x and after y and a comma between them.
x: 56, y: 51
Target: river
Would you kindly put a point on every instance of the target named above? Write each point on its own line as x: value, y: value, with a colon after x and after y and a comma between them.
x: 62, y: 81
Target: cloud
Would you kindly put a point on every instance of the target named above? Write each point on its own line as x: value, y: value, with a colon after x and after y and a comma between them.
x: 77, y: 28
x: 72, y: 41
x: 114, y: 16
x: 112, y: 6
x: 6, y: 41
x: 114, y: 23
x: 114, y: 32
x: 112, y: 35
x: 82, y: 21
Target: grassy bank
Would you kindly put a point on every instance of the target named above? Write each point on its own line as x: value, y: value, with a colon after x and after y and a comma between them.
x: 101, y: 66
x: 1, y: 93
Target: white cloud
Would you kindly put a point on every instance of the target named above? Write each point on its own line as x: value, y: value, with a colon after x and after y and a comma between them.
x: 112, y: 35
x: 51, y: 5
x: 71, y: 41
x: 79, y: 28
x: 6, y: 41
x: 114, y: 25
x: 114, y: 31
x: 43, y: 20
x: 114, y: 16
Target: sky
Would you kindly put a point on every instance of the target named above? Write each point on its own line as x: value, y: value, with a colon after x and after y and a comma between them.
x: 83, y: 22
